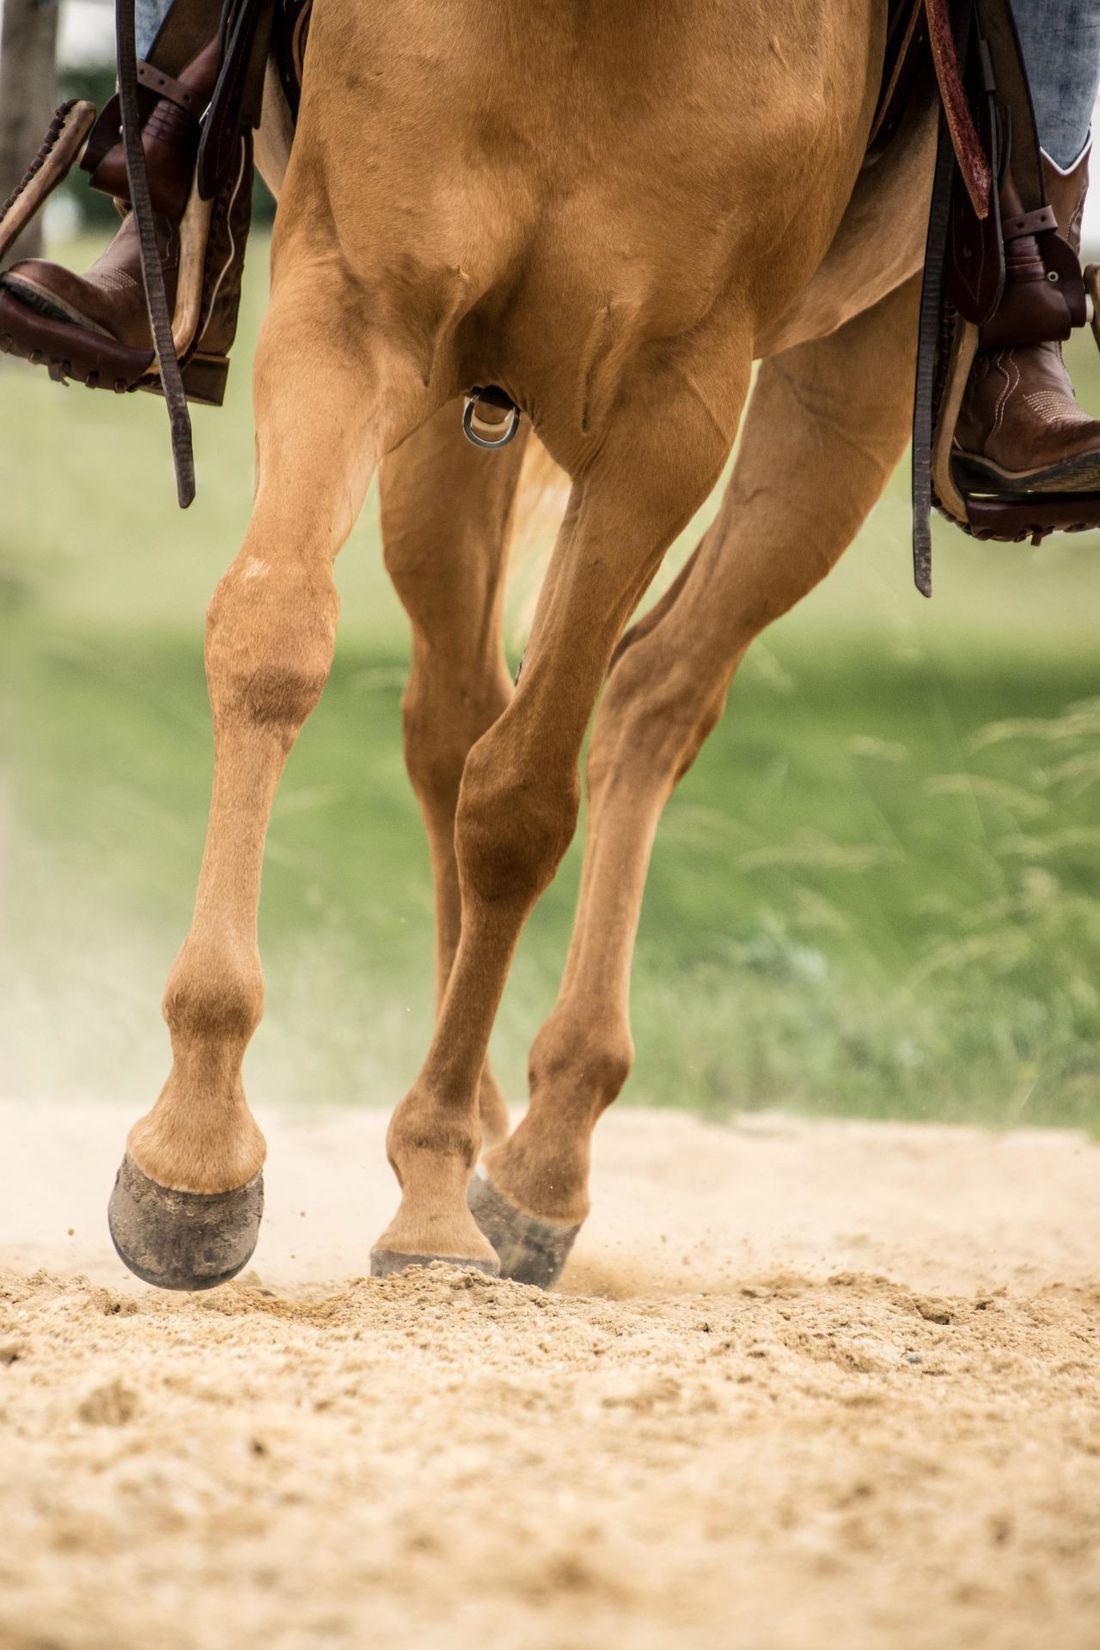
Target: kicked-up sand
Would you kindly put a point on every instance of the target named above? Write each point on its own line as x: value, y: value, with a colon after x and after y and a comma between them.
x: 806, y: 1386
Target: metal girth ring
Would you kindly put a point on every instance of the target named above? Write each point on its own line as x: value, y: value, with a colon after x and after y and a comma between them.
x: 489, y: 433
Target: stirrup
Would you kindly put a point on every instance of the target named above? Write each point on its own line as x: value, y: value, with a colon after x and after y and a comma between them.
x: 965, y: 497
x: 965, y: 274
x: 64, y: 140
x: 186, y: 359
x: 109, y: 364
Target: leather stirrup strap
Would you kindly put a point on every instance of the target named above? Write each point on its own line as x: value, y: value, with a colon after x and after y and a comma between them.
x: 156, y: 298
x: 948, y: 32
x: 928, y: 327
x: 958, y: 152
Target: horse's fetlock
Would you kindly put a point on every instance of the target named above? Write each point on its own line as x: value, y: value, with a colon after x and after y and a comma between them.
x: 581, y: 1065
x: 214, y: 998
x: 418, y: 1132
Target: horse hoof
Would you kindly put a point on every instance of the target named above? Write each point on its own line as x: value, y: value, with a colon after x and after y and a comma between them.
x: 531, y: 1250
x: 386, y: 1263
x: 183, y: 1240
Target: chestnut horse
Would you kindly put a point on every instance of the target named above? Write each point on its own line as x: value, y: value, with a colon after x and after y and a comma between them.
x: 610, y: 210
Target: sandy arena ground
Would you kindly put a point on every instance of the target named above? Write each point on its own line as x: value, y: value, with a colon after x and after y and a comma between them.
x: 807, y: 1387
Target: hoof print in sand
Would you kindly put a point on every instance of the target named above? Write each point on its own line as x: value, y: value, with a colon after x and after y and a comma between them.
x: 387, y: 1263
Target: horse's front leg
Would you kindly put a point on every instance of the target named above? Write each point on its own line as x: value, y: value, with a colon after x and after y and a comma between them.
x: 518, y: 801
x: 186, y: 1207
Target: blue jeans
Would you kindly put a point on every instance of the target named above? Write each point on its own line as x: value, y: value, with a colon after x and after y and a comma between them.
x: 1061, y: 41
x: 148, y: 17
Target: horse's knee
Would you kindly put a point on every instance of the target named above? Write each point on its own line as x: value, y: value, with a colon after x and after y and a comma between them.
x: 514, y: 822
x: 270, y: 636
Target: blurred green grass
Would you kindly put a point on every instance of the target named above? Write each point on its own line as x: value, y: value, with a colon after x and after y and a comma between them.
x: 874, y: 894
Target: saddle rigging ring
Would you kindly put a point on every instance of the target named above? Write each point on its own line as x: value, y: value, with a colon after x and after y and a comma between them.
x: 489, y: 433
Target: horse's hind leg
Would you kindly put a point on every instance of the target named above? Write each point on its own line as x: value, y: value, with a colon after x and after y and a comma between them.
x: 186, y: 1207
x: 825, y: 428
x: 519, y: 795
x: 446, y: 521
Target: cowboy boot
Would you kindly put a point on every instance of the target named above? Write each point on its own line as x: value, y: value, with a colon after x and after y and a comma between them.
x: 94, y: 328
x: 1020, y: 428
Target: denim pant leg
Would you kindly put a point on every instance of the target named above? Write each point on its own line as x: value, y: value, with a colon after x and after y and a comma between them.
x: 149, y: 15
x: 1061, y: 42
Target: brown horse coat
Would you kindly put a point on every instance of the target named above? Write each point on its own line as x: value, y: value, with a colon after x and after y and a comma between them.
x: 609, y: 208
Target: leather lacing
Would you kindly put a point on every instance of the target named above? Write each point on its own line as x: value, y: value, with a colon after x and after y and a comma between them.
x: 49, y: 143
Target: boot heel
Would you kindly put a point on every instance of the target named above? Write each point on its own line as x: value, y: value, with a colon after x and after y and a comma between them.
x: 204, y: 379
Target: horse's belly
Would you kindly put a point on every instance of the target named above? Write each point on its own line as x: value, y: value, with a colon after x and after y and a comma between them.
x: 878, y: 245
x: 543, y: 209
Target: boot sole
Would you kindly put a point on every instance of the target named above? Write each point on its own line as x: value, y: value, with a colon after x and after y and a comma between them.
x: 204, y: 376
x: 45, y: 303
x: 1075, y: 475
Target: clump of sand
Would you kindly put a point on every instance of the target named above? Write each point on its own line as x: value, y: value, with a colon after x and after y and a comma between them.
x: 806, y: 1385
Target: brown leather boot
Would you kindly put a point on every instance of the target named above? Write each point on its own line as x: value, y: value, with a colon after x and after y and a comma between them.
x: 109, y: 299
x: 1020, y: 428
x: 94, y: 328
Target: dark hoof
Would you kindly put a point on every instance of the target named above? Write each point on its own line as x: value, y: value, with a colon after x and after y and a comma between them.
x: 386, y: 1263
x: 531, y: 1250
x: 183, y: 1240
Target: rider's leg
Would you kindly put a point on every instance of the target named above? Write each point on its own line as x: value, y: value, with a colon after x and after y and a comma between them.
x: 94, y: 326
x: 148, y: 17
x: 1061, y: 44
x: 1020, y: 426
